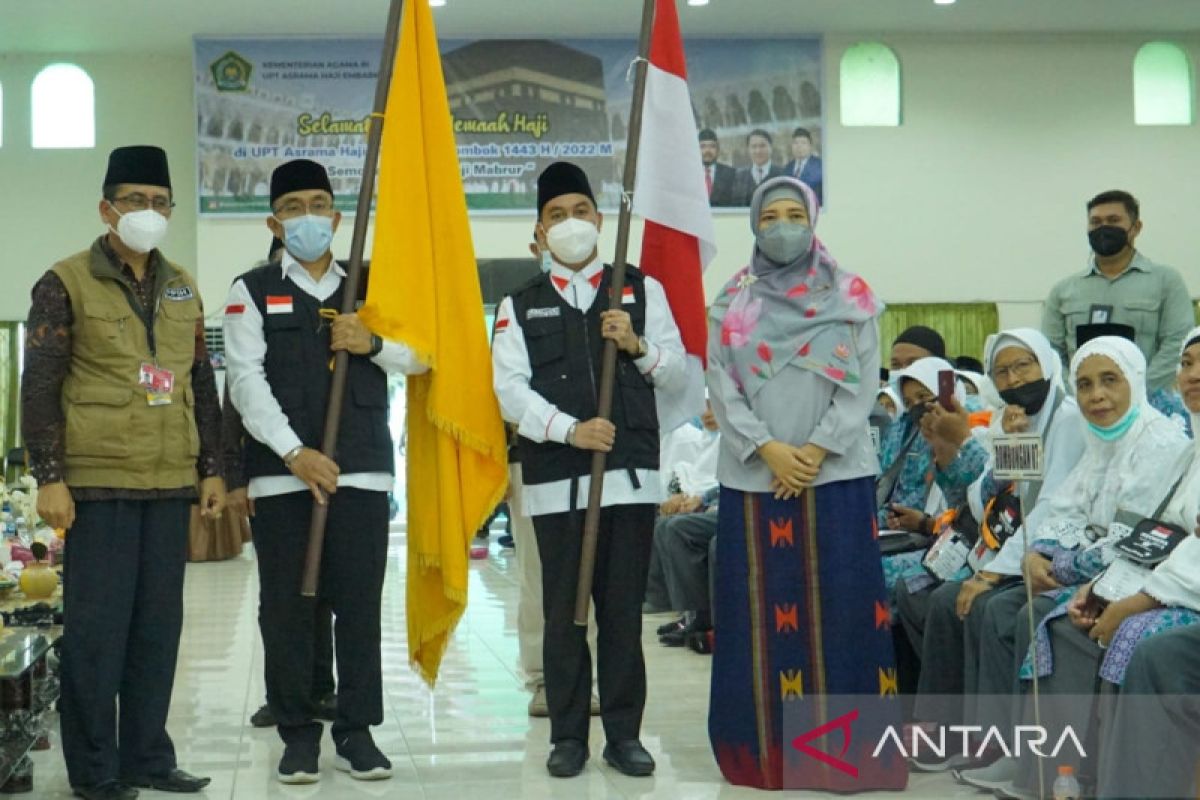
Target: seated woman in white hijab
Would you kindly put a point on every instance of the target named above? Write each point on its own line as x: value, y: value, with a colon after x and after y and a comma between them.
x: 943, y: 621
x: 908, y: 498
x: 1108, y: 619
x: 1131, y: 450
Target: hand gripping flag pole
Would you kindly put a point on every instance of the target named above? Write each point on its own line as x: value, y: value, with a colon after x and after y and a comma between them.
x: 608, y: 370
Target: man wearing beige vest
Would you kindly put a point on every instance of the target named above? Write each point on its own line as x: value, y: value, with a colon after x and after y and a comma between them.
x: 121, y: 421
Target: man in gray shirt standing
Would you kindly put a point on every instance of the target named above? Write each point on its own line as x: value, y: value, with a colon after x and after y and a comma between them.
x: 1122, y: 286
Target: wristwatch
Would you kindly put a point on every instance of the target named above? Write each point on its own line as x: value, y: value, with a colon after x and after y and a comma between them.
x: 376, y: 345
x: 292, y: 455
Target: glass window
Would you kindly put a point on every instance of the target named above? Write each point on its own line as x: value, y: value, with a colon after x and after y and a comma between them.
x: 1162, y: 85
x: 63, y: 100
x: 870, y: 86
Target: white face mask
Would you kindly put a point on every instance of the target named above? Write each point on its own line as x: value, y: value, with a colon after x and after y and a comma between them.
x: 547, y: 261
x: 141, y: 231
x: 572, y: 240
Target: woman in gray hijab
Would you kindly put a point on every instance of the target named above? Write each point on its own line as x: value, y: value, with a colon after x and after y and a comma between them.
x: 800, y: 613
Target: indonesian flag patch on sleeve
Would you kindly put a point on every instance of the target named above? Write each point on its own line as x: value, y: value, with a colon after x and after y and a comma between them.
x: 627, y: 295
x: 235, y: 308
x: 279, y: 304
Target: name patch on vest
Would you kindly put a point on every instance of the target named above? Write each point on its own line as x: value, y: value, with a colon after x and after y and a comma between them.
x: 178, y: 293
x: 279, y: 304
x: 543, y: 313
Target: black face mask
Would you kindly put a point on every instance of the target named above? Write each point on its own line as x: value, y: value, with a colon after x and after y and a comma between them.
x: 1108, y: 240
x: 1029, y: 396
x: 916, y: 413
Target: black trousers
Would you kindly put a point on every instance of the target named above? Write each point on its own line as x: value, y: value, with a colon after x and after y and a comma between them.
x: 622, y: 561
x: 123, y: 599
x: 323, y: 684
x: 682, y: 542
x: 352, y: 571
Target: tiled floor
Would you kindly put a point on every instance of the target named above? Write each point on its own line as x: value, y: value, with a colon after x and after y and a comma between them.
x: 471, y: 738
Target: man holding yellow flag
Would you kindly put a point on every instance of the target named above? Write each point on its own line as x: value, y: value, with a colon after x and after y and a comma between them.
x: 279, y: 335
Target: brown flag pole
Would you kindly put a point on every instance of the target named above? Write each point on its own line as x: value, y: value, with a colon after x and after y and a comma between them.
x: 341, y: 359
x: 608, y: 369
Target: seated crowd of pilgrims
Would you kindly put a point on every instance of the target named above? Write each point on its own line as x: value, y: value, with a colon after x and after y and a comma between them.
x: 1106, y: 539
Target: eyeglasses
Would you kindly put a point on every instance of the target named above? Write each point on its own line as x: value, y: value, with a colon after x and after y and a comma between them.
x: 139, y: 202
x: 320, y: 207
x: 1021, y: 369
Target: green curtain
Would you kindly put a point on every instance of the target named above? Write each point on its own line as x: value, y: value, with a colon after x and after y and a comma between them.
x: 964, y: 326
x: 10, y: 382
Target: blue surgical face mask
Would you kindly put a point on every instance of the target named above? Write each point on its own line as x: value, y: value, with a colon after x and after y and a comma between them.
x: 308, y: 238
x: 1119, y: 428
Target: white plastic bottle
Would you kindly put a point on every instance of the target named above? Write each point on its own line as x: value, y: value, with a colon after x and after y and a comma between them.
x: 1066, y: 787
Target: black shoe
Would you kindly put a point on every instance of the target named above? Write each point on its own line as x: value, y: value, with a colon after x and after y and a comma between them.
x: 507, y: 542
x: 358, y: 755
x: 629, y: 758
x: 677, y: 625
x: 263, y: 718
x: 700, y: 642
x: 109, y: 790
x: 567, y: 758
x: 326, y: 707
x: 680, y: 636
x: 299, y: 764
x: 176, y: 781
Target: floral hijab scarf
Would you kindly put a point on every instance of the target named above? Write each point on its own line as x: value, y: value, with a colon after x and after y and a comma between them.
x: 773, y: 315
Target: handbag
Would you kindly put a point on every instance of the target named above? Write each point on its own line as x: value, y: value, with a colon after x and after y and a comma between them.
x: 1138, y: 552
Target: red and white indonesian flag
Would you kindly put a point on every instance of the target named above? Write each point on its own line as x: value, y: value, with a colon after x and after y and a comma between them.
x: 670, y: 194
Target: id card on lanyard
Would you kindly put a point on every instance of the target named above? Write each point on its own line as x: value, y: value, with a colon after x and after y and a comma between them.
x: 158, y: 383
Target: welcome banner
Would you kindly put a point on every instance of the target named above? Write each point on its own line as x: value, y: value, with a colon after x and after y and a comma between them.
x: 518, y: 105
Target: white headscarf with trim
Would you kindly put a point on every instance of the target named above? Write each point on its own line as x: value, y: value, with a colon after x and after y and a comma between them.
x: 1176, y: 582
x: 1124, y: 474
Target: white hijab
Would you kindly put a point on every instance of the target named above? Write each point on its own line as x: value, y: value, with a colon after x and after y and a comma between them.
x: 1176, y: 582
x: 925, y: 372
x: 897, y: 401
x: 1036, y: 343
x: 1124, y: 474
x: 983, y: 387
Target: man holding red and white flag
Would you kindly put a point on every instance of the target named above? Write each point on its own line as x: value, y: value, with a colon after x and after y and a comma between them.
x: 671, y: 195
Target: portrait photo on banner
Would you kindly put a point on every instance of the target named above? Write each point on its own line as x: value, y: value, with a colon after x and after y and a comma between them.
x: 518, y: 105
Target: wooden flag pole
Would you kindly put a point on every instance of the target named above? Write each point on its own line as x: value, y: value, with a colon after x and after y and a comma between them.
x: 341, y: 359
x: 608, y: 370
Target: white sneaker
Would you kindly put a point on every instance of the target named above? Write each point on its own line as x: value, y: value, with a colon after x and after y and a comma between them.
x: 997, y: 775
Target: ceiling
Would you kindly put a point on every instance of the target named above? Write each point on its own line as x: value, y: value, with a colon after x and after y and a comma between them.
x: 60, y: 26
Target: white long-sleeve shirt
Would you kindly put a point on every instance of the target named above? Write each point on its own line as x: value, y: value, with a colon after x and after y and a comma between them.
x: 539, y: 420
x: 262, y: 416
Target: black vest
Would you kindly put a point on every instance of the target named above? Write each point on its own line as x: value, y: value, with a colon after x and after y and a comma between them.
x: 565, y: 354
x: 297, y: 368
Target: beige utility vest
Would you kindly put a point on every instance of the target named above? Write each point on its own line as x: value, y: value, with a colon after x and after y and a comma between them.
x: 115, y: 438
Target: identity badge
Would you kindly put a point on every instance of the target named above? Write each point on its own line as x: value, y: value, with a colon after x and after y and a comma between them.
x: 158, y: 383
x: 1100, y: 315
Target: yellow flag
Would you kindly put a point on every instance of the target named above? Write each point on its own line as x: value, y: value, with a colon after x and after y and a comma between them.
x: 424, y: 291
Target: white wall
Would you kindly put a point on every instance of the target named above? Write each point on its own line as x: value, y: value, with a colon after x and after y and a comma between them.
x: 977, y: 196
x: 49, y: 198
